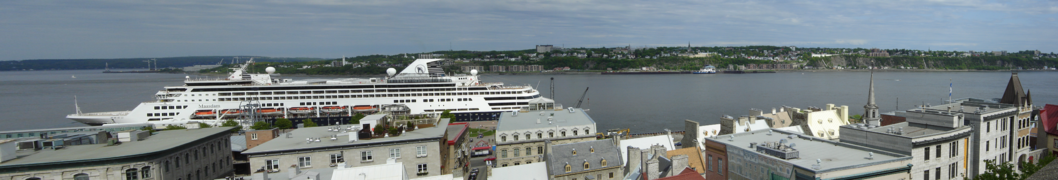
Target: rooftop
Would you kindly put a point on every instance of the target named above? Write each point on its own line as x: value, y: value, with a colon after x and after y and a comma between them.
x: 645, y: 143
x: 694, y: 158
x: 910, y: 130
x: 454, y: 130
x: 297, y: 141
x: 534, y: 171
x: 547, y: 118
x: 562, y: 154
x: 81, y: 154
x: 968, y: 106
x: 834, y: 155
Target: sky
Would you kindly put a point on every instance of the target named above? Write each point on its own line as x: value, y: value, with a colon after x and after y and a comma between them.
x: 48, y: 29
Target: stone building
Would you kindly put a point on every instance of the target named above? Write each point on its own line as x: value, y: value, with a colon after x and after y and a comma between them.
x: 586, y: 160
x: 992, y: 131
x: 653, y: 162
x: 937, y: 142
x: 1022, y: 122
x: 168, y: 155
x: 520, y: 137
x: 423, y: 151
x: 777, y: 154
x: 458, y: 135
x: 258, y: 137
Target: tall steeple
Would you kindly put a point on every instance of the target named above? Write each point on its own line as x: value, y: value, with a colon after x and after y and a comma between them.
x: 871, y: 115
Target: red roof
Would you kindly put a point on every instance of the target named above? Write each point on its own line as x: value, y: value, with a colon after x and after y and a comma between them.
x: 1049, y: 116
x: 452, y: 140
x: 481, y: 148
x: 686, y: 174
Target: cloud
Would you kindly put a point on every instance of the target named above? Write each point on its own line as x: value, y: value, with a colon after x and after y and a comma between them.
x: 329, y: 28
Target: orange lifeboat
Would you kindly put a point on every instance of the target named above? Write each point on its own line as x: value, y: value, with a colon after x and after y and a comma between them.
x: 333, y: 109
x: 232, y: 112
x: 269, y: 111
x: 205, y: 113
x: 302, y: 110
x: 364, y: 108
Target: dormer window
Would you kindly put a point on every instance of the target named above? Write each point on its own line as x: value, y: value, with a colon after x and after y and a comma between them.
x: 568, y: 168
x: 592, y: 150
x: 503, y: 138
x: 574, y: 151
x: 586, y: 166
x: 603, y: 163
x: 515, y: 137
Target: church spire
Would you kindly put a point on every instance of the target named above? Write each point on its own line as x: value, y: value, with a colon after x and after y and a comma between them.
x: 871, y: 115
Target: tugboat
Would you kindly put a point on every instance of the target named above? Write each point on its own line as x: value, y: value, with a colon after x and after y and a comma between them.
x: 708, y: 69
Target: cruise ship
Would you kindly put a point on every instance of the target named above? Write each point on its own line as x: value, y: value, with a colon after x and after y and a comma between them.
x: 422, y: 87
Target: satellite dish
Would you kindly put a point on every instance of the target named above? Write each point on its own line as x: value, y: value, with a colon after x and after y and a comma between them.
x: 391, y: 71
x: 792, y: 145
x: 270, y: 70
x: 474, y: 72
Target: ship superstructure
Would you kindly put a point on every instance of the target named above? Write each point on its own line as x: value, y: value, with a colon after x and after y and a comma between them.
x: 422, y: 87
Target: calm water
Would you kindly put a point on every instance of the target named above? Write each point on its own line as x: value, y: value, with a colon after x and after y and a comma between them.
x: 644, y: 103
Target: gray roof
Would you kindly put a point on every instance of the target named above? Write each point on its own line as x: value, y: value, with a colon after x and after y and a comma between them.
x: 454, y: 131
x: 238, y: 143
x: 562, y: 154
x: 509, y: 121
x: 835, y: 155
x: 969, y: 106
x: 297, y: 141
x: 81, y: 154
x: 910, y: 130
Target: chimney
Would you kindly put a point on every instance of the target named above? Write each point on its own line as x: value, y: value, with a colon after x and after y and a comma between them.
x: 652, y: 169
x: 293, y: 171
x: 772, y: 110
x: 678, y: 164
x: 260, y: 174
x: 635, y: 158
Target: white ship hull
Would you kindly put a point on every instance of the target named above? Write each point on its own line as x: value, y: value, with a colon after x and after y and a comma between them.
x: 421, y: 94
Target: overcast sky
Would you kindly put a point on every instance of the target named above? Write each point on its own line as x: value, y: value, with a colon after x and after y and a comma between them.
x: 38, y: 29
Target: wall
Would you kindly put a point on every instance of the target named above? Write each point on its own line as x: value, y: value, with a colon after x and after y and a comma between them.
x: 353, y: 158
x: 263, y: 136
x: 715, y: 150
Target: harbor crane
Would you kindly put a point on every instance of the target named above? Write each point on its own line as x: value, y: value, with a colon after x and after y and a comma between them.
x: 582, y: 97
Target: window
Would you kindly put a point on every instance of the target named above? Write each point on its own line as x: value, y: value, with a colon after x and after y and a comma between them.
x: 176, y: 162
x: 394, y: 153
x: 952, y: 171
x: 988, y: 127
x: 539, y: 135
x: 165, y: 166
x: 569, y: 168
x: 574, y: 133
x: 304, y: 162
x: 937, y: 172
x: 591, y: 149
x: 927, y: 153
x: 145, y: 172
x: 253, y: 136
x: 515, y: 137
x: 516, y: 153
x: 563, y: 133
x: 574, y: 152
x: 336, y: 158
x: 81, y: 176
x: 420, y: 151
x: 586, y: 166
x: 503, y: 138
x: 938, y: 151
x: 587, y: 132
x: 986, y: 146
x: 130, y: 174
x: 503, y: 153
x: 710, y: 166
x: 271, y: 164
x: 925, y: 175
x: 422, y: 169
x: 517, y: 163
x: 528, y: 136
x: 366, y: 156
x: 552, y: 135
x: 603, y: 163
x: 540, y: 150
x: 528, y: 151
x: 720, y: 165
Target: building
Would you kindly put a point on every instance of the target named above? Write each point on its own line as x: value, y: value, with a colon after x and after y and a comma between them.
x: 423, y: 151
x: 497, y: 68
x: 731, y: 125
x: 821, y: 122
x: 664, y: 141
x: 173, y: 154
x: 686, y: 174
x: 534, y: 68
x: 54, y: 132
x: 1015, y: 95
x: 1048, y: 133
x: 776, y: 154
x: 936, y: 140
x: 653, y: 162
x: 695, y: 161
x: 516, y: 68
x: 598, y: 160
x: 871, y: 115
x: 458, y: 151
x: 467, y: 69
x: 543, y: 48
x: 258, y: 137
x: 991, y: 129
x: 523, y: 137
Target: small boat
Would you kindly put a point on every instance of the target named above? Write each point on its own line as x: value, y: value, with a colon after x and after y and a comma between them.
x: 708, y: 69
x: 233, y: 111
x: 364, y: 108
x: 302, y: 110
x: 333, y: 109
x: 205, y: 113
x: 269, y: 111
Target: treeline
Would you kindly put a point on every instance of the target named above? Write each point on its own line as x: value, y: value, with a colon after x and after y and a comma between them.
x: 130, y: 63
x: 918, y: 62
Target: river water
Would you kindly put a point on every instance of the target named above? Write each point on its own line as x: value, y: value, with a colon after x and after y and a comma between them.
x: 644, y: 103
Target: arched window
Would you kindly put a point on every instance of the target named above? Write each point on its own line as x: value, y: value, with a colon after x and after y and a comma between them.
x: 603, y: 163
x: 130, y: 174
x: 569, y: 168
x: 81, y: 176
x: 586, y: 166
x: 165, y: 166
x: 592, y: 149
x: 145, y: 172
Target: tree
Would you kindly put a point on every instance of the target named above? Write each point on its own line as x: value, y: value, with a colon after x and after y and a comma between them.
x: 1028, y: 168
x: 448, y: 114
x: 204, y: 125
x: 997, y: 171
x: 231, y: 123
x: 172, y: 127
x: 309, y: 123
x: 149, y: 129
x: 284, y: 123
x: 261, y: 125
x: 356, y: 118
x: 379, y: 129
x: 411, y: 126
